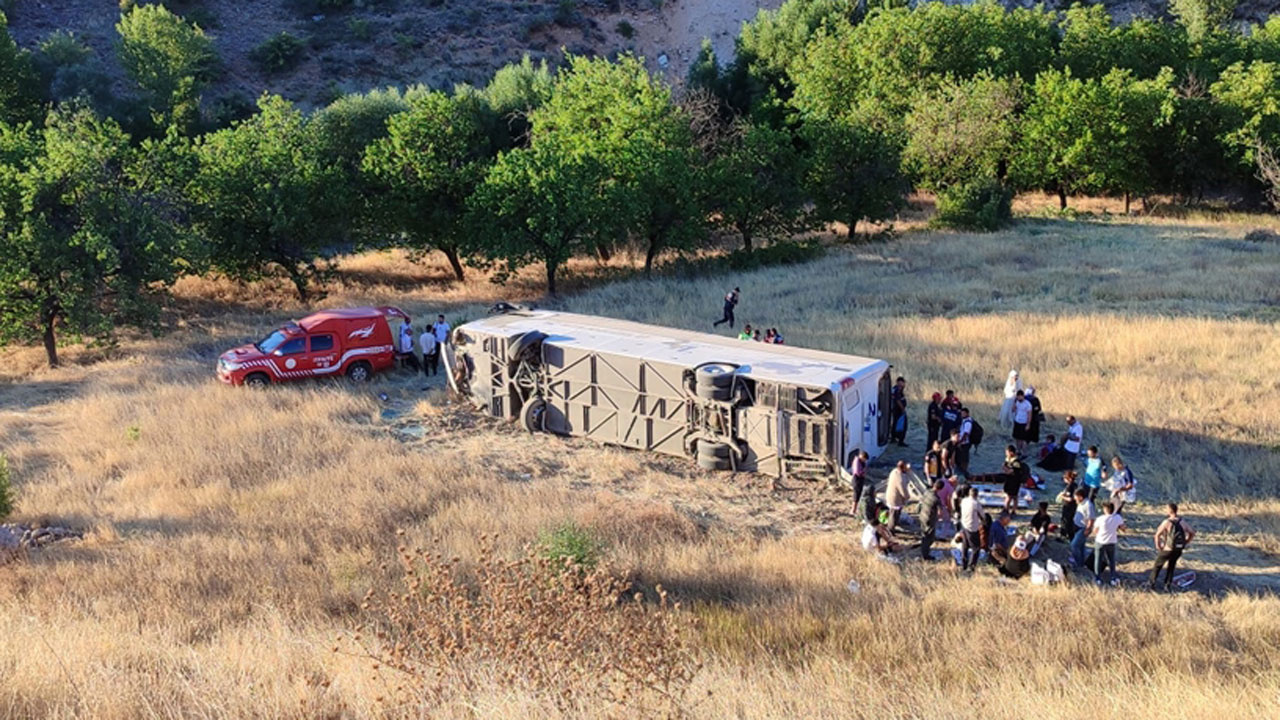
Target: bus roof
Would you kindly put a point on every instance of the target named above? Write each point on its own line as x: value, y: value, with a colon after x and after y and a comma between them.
x: 774, y: 363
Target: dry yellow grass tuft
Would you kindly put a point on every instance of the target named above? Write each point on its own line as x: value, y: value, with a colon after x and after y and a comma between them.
x: 233, y: 535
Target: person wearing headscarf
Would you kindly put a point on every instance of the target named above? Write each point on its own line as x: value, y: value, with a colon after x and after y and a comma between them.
x: 1011, y: 388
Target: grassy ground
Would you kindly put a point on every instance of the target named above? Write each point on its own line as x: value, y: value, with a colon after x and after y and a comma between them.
x: 232, y: 534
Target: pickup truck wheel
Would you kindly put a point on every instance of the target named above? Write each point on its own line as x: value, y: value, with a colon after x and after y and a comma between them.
x: 359, y: 372
x: 257, y: 380
x: 533, y: 415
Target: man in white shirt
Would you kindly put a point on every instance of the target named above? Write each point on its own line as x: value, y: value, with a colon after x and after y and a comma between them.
x: 1085, y: 515
x: 970, y: 528
x: 441, y: 329
x: 965, y: 446
x: 1021, y: 422
x: 1106, y: 535
x: 405, y: 347
x: 1074, y: 438
x: 430, y: 353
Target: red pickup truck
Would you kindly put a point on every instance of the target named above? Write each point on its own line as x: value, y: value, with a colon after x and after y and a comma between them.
x: 356, y: 342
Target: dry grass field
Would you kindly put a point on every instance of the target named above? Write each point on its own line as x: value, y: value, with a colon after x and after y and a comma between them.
x: 231, y: 535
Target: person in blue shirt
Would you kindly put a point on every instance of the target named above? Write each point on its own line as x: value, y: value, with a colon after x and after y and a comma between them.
x: 1093, y: 472
x: 999, y: 542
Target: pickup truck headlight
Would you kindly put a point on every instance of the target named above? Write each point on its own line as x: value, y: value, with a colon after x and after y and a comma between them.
x: 228, y: 364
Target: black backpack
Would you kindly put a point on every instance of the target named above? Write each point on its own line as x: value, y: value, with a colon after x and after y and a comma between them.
x: 975, y: 433
x: 1177, y: 536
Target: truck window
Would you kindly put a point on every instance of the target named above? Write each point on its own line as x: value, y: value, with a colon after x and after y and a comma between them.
x: 293, y: 347
x: 269, y: 344
x: 321, y: 343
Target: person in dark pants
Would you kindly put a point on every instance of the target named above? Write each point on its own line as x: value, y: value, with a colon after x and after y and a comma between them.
x: 869, y: 509
x: 933, y: 421
x: 430, y: 352
x: 730, y: 302
x: 1105, y: 537
x: 1172, y: 537
x: 858, y: 469
x: 929, y: 519
x: 964, y: 444
x: 899, y: 404
x: 971, y: 530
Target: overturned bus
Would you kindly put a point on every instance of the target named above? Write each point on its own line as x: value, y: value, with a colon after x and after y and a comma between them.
x: 729, y: 404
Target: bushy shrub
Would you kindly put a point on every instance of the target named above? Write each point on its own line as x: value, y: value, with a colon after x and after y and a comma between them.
x: 566, y: 13
x: 568, y: 542
x: 625, y: 29
x: 1262, y: 236
x: 279, y: 53
x: 779, y: 253
x: 984, y: 205
x: 580, y: 640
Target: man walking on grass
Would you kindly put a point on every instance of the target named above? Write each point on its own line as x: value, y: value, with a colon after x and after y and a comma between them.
x: 1105, y: 537
x: 971, y: 529
x: 1172, y: 537
x: 1086, y: 513
x: 730, y: 302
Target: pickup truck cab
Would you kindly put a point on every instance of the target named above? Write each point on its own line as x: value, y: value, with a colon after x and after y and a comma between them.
x: 356, y: 342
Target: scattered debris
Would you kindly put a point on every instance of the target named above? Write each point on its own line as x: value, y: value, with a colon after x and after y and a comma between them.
x: 854, y: 587
x: 18, y: 537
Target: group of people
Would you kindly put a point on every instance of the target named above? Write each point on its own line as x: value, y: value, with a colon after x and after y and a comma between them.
x: 731, y: 298
x: 950, y: 496
x: 429, y: 342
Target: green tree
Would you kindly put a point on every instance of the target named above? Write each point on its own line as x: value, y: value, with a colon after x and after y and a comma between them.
x: 264, y: 199
x: 515, y: 90
x: 169, y: 58
x: 854, y: 172
x: 20, y: 98
x: 962, y: 132
x: 540, y: 206
x: 1092, y: 45
x: 1250, y: 95
x: 343, y: 130
x: 89, y: 233
x: 624, y: 120
x: 1202, y: 17
x: 434, y: 156
x: 755, y: 183
x: 1093, y: 136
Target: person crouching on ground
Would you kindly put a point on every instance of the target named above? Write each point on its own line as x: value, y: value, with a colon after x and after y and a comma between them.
x: 1017, y: 562
x: 876, y: 537
x: 998, y: 539
x: 1040, y: 527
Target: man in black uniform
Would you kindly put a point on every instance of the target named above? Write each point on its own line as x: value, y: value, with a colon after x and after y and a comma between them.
x: 730, y: 301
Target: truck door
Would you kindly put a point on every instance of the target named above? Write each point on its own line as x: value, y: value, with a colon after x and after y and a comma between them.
x: 290, y: 358
x: 322, y: 355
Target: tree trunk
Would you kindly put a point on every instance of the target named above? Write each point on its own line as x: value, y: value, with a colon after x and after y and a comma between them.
x: 454, y: 262
x: 50, y: 342
x: 551, y: 278
x: 650, y: 254
x: 1126, y: 202
x: 746, y: 239
x: 299, y: 284
x: 853, y: 230
x: 1062, y: 198
x: 604, y: 253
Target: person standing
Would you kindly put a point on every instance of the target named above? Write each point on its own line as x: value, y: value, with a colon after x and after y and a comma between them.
x: 405, y: 348
x: 896, y: 494
x: 869, y: 509
x: 1086, y: 513
x: 1106, y: 535
x: 950, y: 415
x: 950, y: 448
x: 1021, y: 421
x: 1011, y: 387
x: 929, y: 511
x: 1172, y: 537
x: 441, y: 329
x: 1072, y: 440
x: 933, y: 420
x: 933, y: 467
x: 1037, y: 416
x: 430, y: 353
x: 858, y: 469
x: 971, y: 530
x: 730, y: 302
x: 899, y: 403
x: 1015, y: 476
x: 1068, y: 516
x: 1093, y: 472
x: 964, y: 442
x: 1124, y: 488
